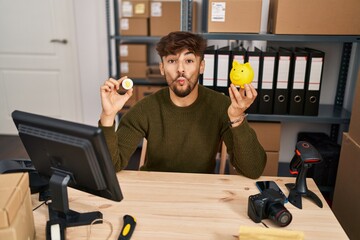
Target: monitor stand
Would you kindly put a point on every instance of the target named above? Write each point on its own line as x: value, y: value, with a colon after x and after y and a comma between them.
x: 60, y: 216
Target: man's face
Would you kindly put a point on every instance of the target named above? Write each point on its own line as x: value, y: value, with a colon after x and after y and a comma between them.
x: 181, y: 71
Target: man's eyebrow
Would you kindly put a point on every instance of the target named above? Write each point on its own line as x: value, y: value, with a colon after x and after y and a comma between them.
x: 190, y: 52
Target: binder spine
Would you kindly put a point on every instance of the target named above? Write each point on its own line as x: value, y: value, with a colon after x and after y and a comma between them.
x: 266, y: 84
x: 313, y: 86
x: 253, y: 57
x: 282, y: 84
x: 297, y: 83
x: 223, y: 58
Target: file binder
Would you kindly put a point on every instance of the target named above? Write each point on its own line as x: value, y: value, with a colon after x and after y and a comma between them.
x: 297, y: 82
x: 253, y: 57
x: 282, y: 82
x: 223, y: 67
x: 313, y: 85
x: 266, y: 81
x: 208, y: 77
x: 239, y: 54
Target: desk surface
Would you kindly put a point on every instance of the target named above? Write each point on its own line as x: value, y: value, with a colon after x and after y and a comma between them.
x: 189, y: 206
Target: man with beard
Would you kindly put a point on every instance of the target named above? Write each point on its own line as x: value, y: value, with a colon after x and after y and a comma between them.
x: 185, y: 122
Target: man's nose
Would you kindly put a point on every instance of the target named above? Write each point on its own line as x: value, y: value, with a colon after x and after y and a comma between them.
x: 181, y: 67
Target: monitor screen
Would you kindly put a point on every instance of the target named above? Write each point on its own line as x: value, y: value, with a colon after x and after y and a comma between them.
x: 70, y: 154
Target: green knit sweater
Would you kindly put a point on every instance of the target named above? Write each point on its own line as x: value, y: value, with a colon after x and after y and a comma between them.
x: 184, y: 139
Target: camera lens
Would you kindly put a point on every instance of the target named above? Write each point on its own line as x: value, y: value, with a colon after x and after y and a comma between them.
x: 279, y: 214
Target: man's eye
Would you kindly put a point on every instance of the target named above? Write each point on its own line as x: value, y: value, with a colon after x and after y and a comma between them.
x: 189, y: 61
x: 171, y: 61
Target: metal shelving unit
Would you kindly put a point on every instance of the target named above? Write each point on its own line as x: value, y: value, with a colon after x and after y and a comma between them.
x: 329, y: 114
x: 282, y: 37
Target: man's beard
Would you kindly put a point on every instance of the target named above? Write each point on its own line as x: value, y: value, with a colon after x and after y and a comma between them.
x: 177, y: 90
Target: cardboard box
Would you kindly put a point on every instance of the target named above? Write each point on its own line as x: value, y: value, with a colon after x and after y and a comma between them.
x: 133, y: 52
x: 268, y: 134
x: 134, y: 26
x: 145, y: 90
x: 234, y: 16
x: 133, y: 69
x: 328, y: 17
x: 345, y: 205
x: 16, y: 217
x: 135, y: 8
x: 354, y: 127
x: 272, y: 164
x: 165, y: 17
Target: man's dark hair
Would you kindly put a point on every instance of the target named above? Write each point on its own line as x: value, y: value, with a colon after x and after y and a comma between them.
x: 176, y: 42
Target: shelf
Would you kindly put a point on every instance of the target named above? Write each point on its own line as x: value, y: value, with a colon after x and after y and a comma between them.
x: 136, y: 39
x: 283, y: 37
x: 327, y: 114
x: 150, y: 82
x: 258, y: 37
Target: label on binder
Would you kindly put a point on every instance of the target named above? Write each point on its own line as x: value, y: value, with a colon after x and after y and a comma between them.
x: 299, y: 73
x: 283, y: 72
x: 208, y: 76
x: 315, y: 74
x: 268, y: 73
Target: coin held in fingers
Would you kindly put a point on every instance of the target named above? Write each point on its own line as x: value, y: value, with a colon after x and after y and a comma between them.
x: 127, y: 83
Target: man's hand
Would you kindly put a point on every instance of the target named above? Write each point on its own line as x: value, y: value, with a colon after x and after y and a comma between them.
x: 240, y: 101
x: 111, y: 101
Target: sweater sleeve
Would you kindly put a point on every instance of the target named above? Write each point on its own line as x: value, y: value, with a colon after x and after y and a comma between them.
x: 111, y: 141
x: 246, y: 153
x: 123, y: 142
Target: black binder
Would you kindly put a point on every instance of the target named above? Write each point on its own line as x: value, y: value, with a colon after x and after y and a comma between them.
x: 223, y: 63
x: 297, y: 81
x: 266, y: 81
x: 253, y: 57
x: 239, y: 54
x: 209, y: 76
x: 282, y: 82
x: 315, y: 68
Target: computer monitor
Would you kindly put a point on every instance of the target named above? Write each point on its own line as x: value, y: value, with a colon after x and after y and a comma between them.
x: 68, y: 154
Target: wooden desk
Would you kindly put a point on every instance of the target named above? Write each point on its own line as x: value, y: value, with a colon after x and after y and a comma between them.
x: 189, y: 206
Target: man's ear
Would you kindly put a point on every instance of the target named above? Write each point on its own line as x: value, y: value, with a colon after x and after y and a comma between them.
x: 202, y: 66
x: 161, y: 66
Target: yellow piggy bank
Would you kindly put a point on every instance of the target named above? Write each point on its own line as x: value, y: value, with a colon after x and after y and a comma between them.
x: 241, y: 74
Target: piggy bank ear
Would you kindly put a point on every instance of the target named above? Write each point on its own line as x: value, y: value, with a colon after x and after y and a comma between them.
x: 235, y: 63
x: 247, y: 64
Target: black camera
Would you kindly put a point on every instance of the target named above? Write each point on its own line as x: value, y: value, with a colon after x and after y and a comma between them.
x: 269, y: 204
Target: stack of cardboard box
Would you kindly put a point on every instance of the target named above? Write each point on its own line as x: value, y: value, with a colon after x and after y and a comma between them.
x: 133, y: 60
x: 268, y: 134
x: 152, y: 18
x: 134, y: 21
x: 345, y: 205
x: 134, y: 18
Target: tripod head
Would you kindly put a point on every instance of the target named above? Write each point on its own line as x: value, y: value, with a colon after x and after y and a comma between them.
x: 305, y: 157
